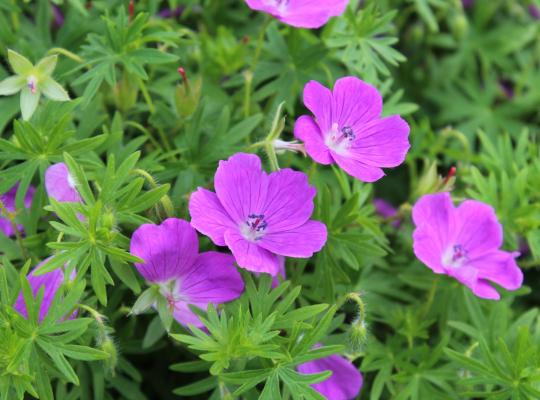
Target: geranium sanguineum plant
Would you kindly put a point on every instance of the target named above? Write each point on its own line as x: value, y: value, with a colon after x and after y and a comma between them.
x: 182, y: 275
x: 32, y: 81
x: 259, y: 216
x: 348, y: 129
x: 464, y: 242
x: 300, y: 13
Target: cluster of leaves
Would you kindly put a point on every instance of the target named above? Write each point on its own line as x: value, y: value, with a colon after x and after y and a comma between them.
x: 138, y: 138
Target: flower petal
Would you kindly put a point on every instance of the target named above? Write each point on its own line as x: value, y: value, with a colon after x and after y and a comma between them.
x: 241, y: 186
x: 53, y: 90
x: 477, y: 228
x: 250, y: 256
x: 51, y: 282
x: 355, y: 103
x: 289, y: 200
x: 358, y: 169
x: 309, y: 132
x: 29, y: 102
x: 499, y: 267
x: 60, y: 185
x: 434, y: 217
x: 208, y: 215
x: 344, y: 383
x: 20, y: 64
x: 312, y: 13
x: 382, y: 142
x: 11, y: 85
x: 213, y: 278
x: 169, y: 250
x: 300, y: 242
x: 318, y: 99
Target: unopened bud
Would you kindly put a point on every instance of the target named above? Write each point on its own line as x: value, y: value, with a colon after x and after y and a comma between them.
x: 108, y: 346
x: 357, y: 336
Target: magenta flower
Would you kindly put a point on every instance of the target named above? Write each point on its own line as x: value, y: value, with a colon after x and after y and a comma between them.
x: 300, y: 13
x: 258, y: 216
x: 173, y: 262
x: 344, y: 383
x: 348, y: 129
x: 60, y: 185
x: 51, y: 282
x: 464, y: 243
x: 8, y: 199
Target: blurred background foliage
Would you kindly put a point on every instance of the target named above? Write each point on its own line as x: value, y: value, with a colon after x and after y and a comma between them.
x: 465, y: 74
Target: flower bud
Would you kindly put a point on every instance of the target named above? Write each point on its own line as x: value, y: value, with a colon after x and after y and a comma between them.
x: 187, y: 94
x: 282, y: 146
x: 459, y: 25
x: 125, y: 93
x: 108, y: 346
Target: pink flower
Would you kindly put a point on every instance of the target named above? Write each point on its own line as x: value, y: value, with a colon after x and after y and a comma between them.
x: 464, y: 243
x: 60, y: 184
x: 172, y: 260
x: 259, y: 216
x: 301, y: 13
x: 348, y: 129
x: 344, y: 383
x: 50, y: 282
x: 8, y: 199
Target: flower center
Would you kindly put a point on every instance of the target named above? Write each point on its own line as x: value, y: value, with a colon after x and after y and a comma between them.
x: 339, y: 140
x: 455, y: 256
x: 254, y: 227
x: 31, y: 82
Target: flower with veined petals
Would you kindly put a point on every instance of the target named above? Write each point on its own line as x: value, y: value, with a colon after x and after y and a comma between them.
x: 348, y: 129
x: 259, y: 216
x: 60, y: 184
x: 8, y: 199
x: 32, y: 80
x: 50, y: 282
x: 344, y: 383
x: 173, y: 262
x: 300, y: 13
x: 463, y: 242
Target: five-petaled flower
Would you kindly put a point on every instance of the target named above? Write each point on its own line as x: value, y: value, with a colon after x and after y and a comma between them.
x: 50, y: 282
x: 348, y: 129
x: 344, y: 383
x: 172, y: 261
x: 301, y: 13
x: 8, y: 199
x: 464, y: 243
x: 32, y: 80
x: 259, y: 216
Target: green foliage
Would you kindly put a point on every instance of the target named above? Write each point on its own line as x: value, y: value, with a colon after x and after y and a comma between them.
x: 138, y: 138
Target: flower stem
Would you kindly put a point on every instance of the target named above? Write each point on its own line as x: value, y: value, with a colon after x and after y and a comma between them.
x: 165, y: 200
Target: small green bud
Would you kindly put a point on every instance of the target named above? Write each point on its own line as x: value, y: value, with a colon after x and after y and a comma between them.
x: 125, y: 93
x: 109, y: 347
x: 460, y: 26
x: 188, y: 95
x: 357, y: 335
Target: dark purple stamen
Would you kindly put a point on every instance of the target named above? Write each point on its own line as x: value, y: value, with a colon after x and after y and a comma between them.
x: 256, y: 222
x: 348, y: 133
x: 459, y: 253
